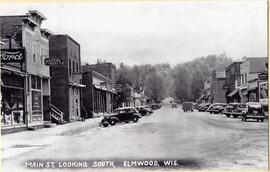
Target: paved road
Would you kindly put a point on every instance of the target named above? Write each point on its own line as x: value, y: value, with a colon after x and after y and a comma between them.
x: 197, y: 140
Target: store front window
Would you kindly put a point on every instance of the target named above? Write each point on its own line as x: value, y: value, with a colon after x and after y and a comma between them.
x: 12, y: 106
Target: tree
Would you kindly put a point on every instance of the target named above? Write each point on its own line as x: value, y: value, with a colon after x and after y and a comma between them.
x: 154, y: 87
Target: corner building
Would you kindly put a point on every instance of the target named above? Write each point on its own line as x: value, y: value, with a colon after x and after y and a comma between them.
x: 29, y: 35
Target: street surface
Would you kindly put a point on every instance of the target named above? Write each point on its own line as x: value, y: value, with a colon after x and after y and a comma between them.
x: 198, y: 139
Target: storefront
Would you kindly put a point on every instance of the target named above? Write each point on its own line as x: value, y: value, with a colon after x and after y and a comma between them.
x: 13, y: 106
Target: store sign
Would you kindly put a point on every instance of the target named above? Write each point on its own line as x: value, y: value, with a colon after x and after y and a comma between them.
x: 54, y: 61
x: 12, y: 55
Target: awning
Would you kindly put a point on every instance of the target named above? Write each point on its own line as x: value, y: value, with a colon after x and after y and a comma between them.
x: 7, y: 70
x: 233, y: 93
x: 76, y: 84
x: 100, y: 87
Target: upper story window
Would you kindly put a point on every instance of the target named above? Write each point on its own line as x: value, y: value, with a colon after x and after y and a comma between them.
x: 34, y: 53
x: 73, y: 65
x: 42, y: 53
x: 70, y: 72
x: 77, y: 67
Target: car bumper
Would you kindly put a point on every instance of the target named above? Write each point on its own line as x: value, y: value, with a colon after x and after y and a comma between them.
x: 254, y: 116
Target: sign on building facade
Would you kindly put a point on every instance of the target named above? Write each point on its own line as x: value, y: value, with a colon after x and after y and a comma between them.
x: 12, y: 55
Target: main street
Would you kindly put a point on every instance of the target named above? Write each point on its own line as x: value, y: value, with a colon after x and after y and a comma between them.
x: 198, y: 139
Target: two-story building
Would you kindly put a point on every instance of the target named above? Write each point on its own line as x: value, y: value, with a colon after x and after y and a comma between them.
x: 67, y: 84
x: 25, y: 85
x: 233, y: 82
x: 250, y: 69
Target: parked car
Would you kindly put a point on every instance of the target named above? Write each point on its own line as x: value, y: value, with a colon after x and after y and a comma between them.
x: 203, y: 107
x: 119, y: 115
x: 155, y: 106
x: 238, y: 109
x: 143, y: 110
x: 186, y: 106
x: 254, y: 110
x: 229, y: 109
x: 218, y: 109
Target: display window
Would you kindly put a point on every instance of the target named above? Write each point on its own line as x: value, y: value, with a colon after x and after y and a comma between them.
x: 12, y: 106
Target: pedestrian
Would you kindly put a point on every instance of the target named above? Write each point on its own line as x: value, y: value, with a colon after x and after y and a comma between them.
x: 83, y: 114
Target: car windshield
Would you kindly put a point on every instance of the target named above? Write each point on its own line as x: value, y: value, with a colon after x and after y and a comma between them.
x: 242, y: 106
x: 254, y: 105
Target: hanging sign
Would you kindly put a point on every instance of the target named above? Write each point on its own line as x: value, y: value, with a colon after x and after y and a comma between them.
x: 54, y: 61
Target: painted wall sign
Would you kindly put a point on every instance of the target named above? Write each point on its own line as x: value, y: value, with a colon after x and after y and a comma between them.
x: 54, y: 61
x: 12, y: 55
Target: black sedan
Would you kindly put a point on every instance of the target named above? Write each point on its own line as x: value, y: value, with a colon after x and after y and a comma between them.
x: 119, y: 115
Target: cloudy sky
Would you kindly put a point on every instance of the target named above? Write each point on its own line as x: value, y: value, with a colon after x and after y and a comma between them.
x: 157, y: 32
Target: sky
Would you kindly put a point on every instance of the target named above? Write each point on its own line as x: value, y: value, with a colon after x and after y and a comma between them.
x: 138, y: 32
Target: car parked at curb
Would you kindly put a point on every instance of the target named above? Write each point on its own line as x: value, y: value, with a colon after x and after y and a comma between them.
x: 254, y: 110
x: 229, y: 109
x: 125, y: 114
x: 143, y: 110
x: 238, y: 109
x: 203, y: 107
x: 186, y: 106
x: 218, y: 109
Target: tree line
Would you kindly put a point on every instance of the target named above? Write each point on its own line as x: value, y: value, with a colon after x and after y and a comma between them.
x: 184, y: 82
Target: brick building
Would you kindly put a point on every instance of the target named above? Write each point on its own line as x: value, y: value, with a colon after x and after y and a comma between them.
x: 106, y: 69
x: 233, y: 82
x: 217, y: 91
x: 25, y: 86
x: 67, y: 77
x: 98, y: 95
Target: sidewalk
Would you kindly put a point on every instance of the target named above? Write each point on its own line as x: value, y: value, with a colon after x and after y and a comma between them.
x: 16, y: 143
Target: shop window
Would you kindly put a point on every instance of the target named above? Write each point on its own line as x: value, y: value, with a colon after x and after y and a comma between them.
x: 33, y: 82
x: 12, y: 109
x: 38, y: 80
x: 36, y: 103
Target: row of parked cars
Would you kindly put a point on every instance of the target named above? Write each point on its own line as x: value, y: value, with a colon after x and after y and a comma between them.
x: 249, y: 110
x: 128, y: 114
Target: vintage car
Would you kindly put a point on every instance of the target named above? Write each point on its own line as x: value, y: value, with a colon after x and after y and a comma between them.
x: 229, y: 109
x: 218, y: 109
x: 119, y: 115
x: 155, y: 106
x: 143, y: 110
x: 238, y: 109
x: 209, y: 109
x: 254, y: 110
x: 203, y: 107
x: 186, y: 106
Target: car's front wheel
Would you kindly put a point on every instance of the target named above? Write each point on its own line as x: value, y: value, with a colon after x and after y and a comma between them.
x: 135, y: 119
